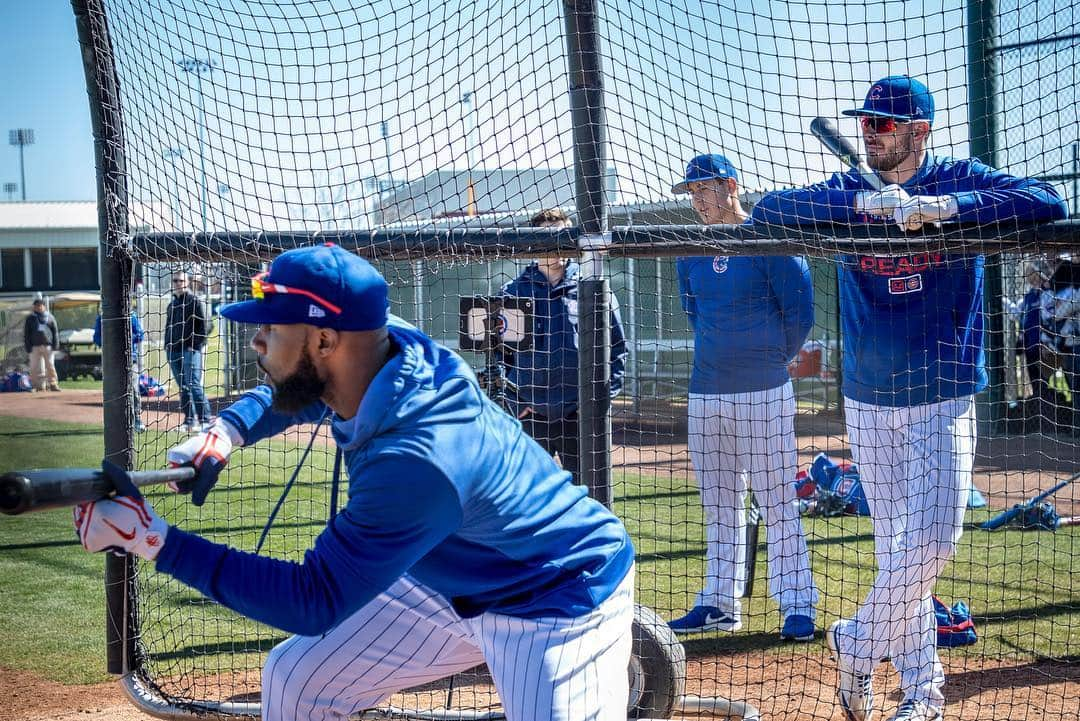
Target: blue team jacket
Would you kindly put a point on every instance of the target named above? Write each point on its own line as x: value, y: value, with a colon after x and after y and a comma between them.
x: 750, y: 317
x: 913, y: 324
x: 444, y: 485
x: 547, y: 374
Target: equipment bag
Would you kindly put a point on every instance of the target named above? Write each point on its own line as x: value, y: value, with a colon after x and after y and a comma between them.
x: 954, y: 625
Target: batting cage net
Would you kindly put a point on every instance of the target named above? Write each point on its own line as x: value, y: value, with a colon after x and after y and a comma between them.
x: 808, y: 390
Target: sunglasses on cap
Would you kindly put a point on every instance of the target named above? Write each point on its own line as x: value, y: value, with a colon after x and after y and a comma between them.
x: 880, y: 125
x: 260, y: 288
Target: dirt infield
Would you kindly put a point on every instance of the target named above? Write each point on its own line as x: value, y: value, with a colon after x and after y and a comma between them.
x: 790, y: 682
x: 797, y: 687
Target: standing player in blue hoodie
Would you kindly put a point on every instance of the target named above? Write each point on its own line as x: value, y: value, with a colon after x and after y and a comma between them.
x: 546, y: 375
x: 750, y: 316
x: 913, y: 361
x: 461, y: 542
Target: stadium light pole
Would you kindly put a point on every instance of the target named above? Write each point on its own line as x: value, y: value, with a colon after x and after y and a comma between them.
x: 384, y: 129
x: 11, y: 189
x: 197, y: 67
x: 467, y: 101
x: 21, y: 137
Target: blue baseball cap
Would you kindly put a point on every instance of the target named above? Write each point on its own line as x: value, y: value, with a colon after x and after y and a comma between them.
x: 322, y: 285
x: 705, y: 167
x: 900, y: 97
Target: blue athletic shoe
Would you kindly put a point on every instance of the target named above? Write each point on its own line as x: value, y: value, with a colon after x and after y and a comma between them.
x: 705, y: 618
x: 797, y: 628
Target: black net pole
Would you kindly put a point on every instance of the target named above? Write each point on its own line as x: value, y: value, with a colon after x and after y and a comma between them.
x: 590, y: 159
x: 982, y: 120
x: 103, y: 90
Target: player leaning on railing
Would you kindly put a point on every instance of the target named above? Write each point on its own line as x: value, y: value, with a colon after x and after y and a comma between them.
x: 913, y: 361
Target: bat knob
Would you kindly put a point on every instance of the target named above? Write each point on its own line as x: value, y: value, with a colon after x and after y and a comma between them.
x: 15, y: 492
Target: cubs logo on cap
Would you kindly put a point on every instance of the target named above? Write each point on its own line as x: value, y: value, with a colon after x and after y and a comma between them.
x: 900, y: 97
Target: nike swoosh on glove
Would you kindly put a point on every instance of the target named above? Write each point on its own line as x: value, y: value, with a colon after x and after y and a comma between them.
x: 208, y: 452
x: 881, y: 203
x: 918, y: 210
x: 121, y: 524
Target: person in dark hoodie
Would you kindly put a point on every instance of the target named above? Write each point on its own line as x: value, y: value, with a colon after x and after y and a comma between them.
x: 41, y: 338
x: 461, y: 542
x: 546, y: 375
x: 186, y: 328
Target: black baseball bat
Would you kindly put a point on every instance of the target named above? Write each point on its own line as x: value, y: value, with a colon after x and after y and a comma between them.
x: 46, y: 488
x: 753, y: 527
x: 826, y: 131
x: 1018, y: 510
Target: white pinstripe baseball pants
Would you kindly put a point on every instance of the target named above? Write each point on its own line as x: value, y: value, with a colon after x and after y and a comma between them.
x: 735, y: 438
x: 564, y: 669
x: 915, y: 464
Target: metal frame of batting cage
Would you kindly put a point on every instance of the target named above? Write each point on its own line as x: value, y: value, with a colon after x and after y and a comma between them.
x: 591, y: 240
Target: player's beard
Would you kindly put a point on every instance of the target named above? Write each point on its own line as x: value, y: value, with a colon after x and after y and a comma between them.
x: 300, y: 388
x: 885, y: 162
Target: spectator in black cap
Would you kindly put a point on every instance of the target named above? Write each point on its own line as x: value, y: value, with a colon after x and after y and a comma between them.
x: 41, y: 338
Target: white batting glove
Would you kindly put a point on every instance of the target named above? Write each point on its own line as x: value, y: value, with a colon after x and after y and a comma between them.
x: 881, y: 203
x: 207, y: 452
x: 918, y: 210
x: 121, y: 524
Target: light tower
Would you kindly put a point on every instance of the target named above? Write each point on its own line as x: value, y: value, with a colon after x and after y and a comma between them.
x: 21, y: 137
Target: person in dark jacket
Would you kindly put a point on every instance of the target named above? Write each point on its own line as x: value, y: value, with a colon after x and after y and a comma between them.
x: 186, y: 327
x: 546, y: 375
x: 40, y: 339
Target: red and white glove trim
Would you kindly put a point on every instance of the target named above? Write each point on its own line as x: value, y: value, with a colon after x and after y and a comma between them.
x: 215, y: 443
x: 123, y: 524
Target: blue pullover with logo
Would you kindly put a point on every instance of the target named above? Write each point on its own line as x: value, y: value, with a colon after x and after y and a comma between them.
x: 444, y: 486
x: 546, y: 375
x: 750, y: 317
x: 913, y: 324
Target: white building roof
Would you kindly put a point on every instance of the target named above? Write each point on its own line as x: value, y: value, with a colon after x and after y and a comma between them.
x: 56, y: 214
x: 77, y: 215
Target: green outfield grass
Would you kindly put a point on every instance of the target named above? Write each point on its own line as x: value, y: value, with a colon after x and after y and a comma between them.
x: 1021, y: 586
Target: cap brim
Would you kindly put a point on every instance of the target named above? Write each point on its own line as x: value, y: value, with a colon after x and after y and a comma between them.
x: 288, y: 310
x: 249, y: 311
x: 684, y: 187
x: 877, y: 114
x: 276, y: 309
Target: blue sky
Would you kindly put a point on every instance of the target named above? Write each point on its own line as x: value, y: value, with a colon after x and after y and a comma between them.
x: 294, y: 104
x: 42, y: 86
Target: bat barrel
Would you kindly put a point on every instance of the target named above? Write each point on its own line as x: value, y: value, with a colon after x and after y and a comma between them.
x: 41, y: 490
x: 15, y: 489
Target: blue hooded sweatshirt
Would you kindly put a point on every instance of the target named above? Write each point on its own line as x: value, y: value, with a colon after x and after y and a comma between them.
x: 443, y: 485
x: 547, y: 374
x: 913, y: 324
